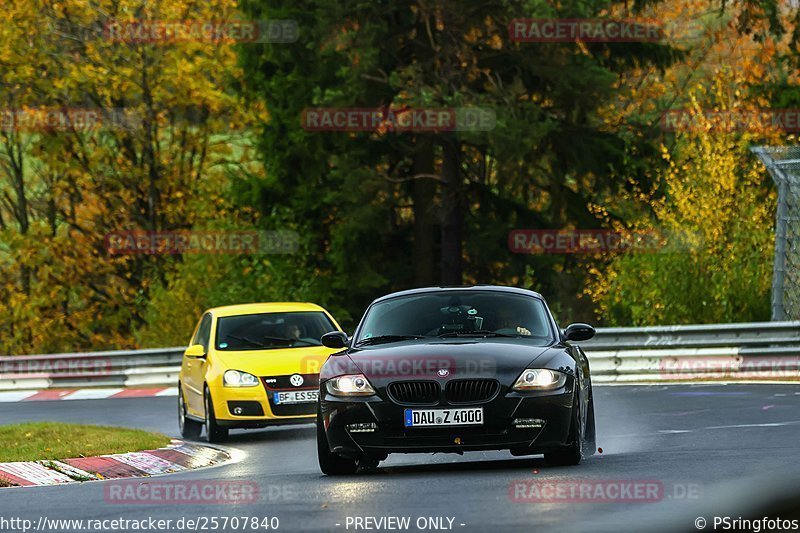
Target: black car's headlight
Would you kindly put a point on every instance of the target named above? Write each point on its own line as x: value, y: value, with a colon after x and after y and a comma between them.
x: 350, y: 385
x: 539, y: 379
x: 236, y: 378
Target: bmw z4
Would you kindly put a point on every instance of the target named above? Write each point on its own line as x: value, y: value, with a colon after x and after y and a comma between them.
x: 455, y: 370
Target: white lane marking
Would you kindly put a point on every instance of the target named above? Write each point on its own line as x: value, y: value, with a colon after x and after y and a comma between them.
x: 670, y: 431
x: 683, y: 413
x: 92, y: 394
x: 766, y: 425
x: 15, y: 396
x: 663, y: 383
x: 79, y: 394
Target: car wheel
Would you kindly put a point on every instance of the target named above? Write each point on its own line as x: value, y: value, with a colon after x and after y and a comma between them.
x: 190, y: 429
x: 571, y: 454
x: 214, y: 433
x: 331, y: 463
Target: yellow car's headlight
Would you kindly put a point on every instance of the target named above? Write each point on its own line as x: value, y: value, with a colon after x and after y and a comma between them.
x: 351, y: 385
x: 236, y: 378
x: 539, y: 379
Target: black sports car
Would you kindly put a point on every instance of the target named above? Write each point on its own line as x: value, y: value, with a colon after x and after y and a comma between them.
x: 453, y: 370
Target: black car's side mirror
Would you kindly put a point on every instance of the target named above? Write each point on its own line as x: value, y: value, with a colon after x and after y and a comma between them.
x: 336, y: 339
x: 579, y: 332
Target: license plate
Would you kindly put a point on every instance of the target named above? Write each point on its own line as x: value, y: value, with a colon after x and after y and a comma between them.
x: 444, y: 417
x: 296, y: 396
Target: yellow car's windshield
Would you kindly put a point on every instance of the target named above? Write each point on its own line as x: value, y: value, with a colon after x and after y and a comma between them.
x: 272, y: 330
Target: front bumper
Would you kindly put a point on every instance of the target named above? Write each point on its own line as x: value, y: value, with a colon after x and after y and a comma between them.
x: 255, y: 407
x: 496, y: 433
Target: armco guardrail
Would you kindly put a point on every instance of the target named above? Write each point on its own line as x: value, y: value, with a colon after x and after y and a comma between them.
x: 746, y: 351
x: 748, y: 334
x: 752, y: 351
x: 123, y: 368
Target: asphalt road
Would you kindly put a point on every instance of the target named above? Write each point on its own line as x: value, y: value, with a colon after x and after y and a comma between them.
x: 707, y: 449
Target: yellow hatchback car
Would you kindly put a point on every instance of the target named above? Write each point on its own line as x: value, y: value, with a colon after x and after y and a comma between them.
x: 251, y: 366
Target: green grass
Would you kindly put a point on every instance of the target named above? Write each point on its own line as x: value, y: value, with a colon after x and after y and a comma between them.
x: 38, y: 441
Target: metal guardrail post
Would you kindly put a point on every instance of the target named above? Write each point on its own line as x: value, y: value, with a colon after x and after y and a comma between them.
x: 781, y: 222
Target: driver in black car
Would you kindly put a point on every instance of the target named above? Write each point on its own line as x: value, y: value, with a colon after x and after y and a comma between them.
x: 507, y: 323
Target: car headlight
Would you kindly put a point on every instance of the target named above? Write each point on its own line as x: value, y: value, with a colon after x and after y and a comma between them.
x: 352, y: 385
x: 539, y: 379
x: 235, y: 378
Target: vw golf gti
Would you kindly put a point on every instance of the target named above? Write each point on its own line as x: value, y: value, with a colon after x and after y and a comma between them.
x: 252, y: 365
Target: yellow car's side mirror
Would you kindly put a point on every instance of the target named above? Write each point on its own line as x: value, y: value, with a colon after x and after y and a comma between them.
x: 195, y: 350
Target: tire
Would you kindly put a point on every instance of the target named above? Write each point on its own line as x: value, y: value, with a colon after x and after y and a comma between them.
x: 571, y: 454
x: 214, y: 433
x: 331, y: 463
x: 190, y: 429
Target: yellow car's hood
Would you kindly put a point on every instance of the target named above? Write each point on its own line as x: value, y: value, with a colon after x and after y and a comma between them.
x: 276, y: 362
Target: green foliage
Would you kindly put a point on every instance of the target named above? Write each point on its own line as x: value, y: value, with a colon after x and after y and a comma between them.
x: 717, y: 222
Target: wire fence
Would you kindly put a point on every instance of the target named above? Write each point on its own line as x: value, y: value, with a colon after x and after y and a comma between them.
x: 783, y: 164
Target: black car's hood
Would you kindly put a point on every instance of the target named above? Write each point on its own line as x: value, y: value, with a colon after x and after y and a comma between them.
x: 439, y: 359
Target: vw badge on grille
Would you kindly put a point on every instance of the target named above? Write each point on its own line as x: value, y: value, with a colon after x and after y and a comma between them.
x: 296, y: 380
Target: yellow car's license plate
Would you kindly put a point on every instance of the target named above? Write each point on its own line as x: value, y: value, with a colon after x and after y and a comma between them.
x: 298, y: 396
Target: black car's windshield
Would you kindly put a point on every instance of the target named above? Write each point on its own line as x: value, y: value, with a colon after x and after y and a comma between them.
x: 272, y: 330
x: 446, y: 314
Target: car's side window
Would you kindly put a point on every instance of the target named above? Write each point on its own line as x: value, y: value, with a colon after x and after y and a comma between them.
x: 203, y: 332
x: 196, y: 335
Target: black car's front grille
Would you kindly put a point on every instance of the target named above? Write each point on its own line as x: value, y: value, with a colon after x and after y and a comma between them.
x: 414, y: 392
x: 471, y: 390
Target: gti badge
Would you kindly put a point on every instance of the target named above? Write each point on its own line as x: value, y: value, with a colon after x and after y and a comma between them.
x: 296, y: 380
x: 443, y: 372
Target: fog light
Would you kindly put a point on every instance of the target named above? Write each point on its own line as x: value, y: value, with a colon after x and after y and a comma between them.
x: 367, y: 427
x: 525, y: 423
x: 237, y: 411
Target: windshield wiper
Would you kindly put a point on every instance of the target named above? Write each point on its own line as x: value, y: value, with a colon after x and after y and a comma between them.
x: 248, y: 341
x: 476, y: 333
x: 387, y: 338
x: 286, y: 339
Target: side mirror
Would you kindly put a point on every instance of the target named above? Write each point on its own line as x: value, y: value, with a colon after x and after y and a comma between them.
x: 334, y: 339
x: 195, y: 351
x: 579, y: 332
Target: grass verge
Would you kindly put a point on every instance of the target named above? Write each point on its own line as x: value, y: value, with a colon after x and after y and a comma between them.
x: 38, y: 441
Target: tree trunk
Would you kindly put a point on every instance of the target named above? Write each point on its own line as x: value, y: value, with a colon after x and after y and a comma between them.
x: 452, y: 215
x: 425, y: 217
